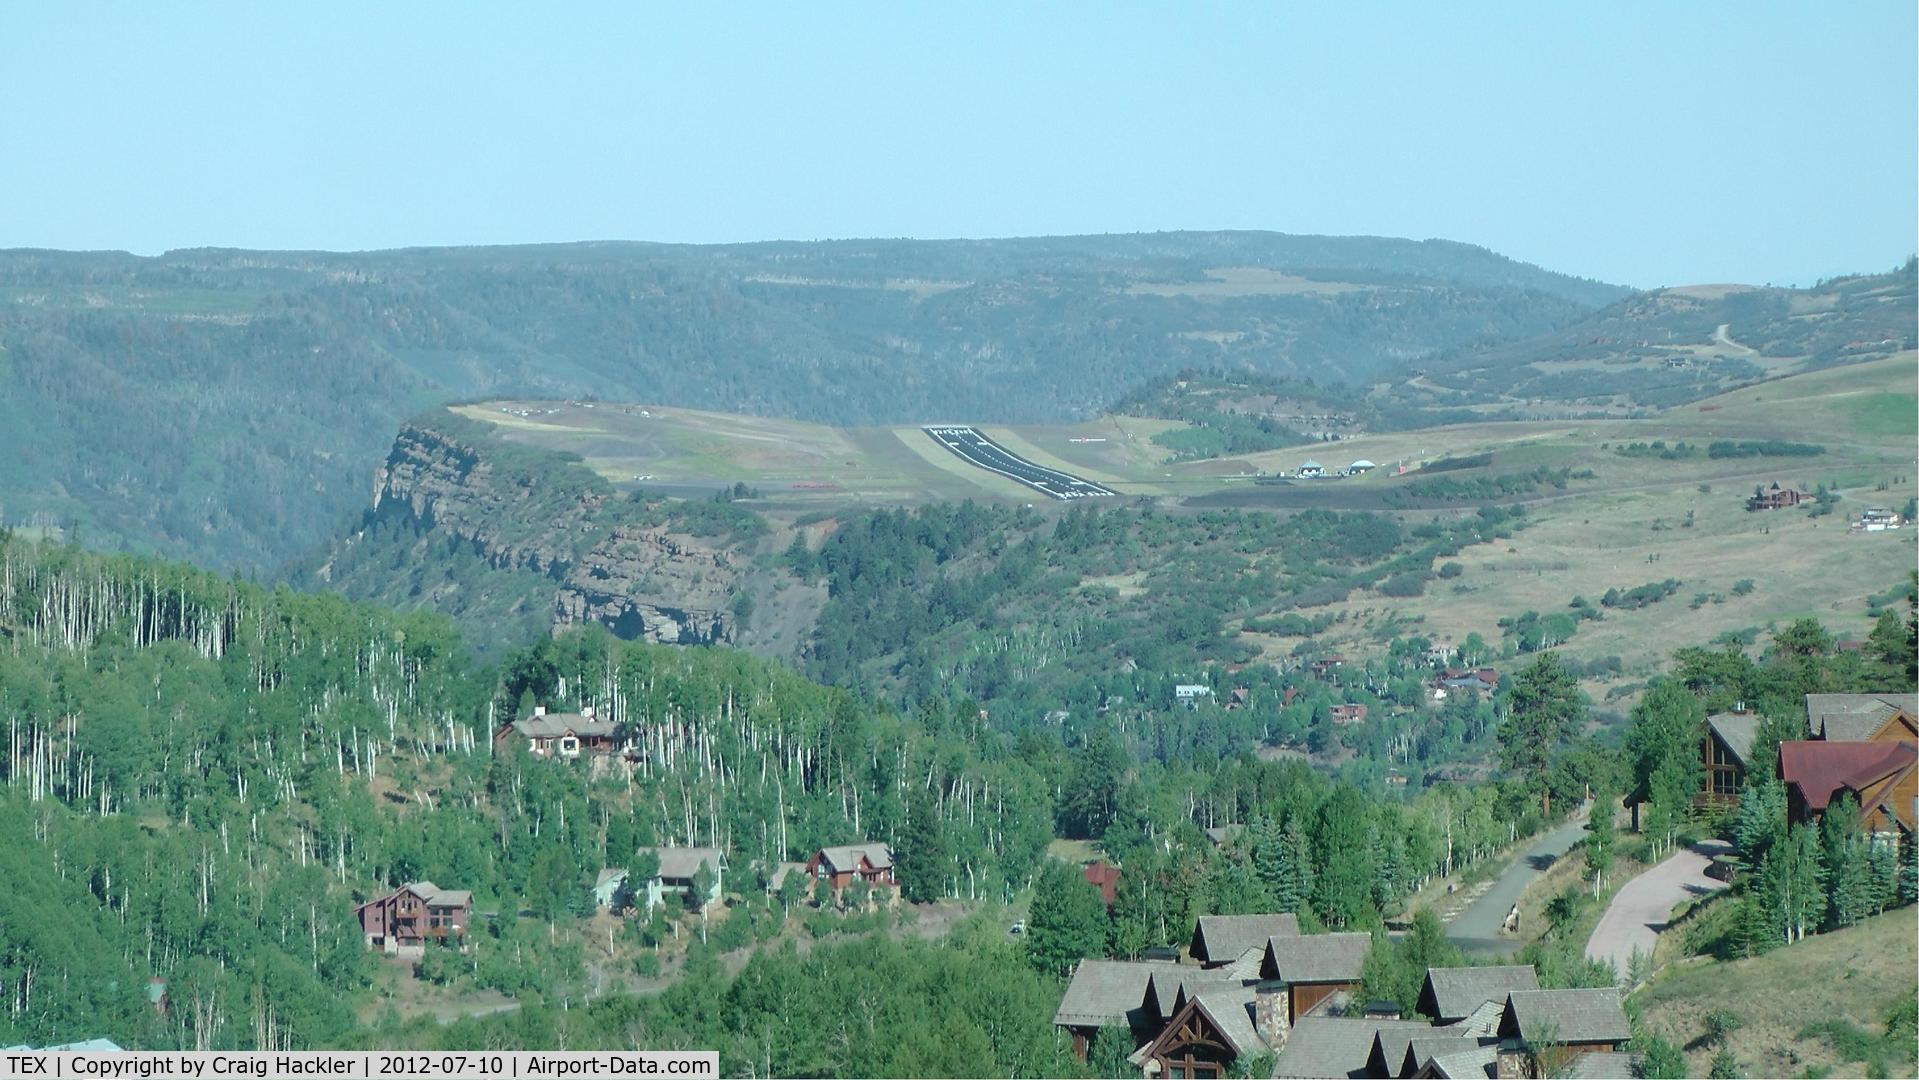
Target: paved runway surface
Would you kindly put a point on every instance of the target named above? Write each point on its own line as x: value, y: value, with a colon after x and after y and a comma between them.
x: 976, y: 448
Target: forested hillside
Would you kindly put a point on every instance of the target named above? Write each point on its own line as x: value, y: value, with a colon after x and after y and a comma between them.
x: 232, y: 406
x: 202, y: 778
x: 1667, y: 346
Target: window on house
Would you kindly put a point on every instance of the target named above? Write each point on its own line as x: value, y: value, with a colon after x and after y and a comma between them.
x: 1724, y: 782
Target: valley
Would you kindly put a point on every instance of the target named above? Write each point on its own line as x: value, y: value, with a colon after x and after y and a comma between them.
x: 1604, y: 509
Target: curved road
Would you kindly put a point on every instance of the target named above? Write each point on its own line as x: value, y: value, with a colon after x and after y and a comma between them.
x: 1643, y: 906
x: 1476, y: 930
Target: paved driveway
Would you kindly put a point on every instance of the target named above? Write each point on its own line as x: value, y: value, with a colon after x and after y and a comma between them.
x: 1476, y: 930
x: 1643, y: 906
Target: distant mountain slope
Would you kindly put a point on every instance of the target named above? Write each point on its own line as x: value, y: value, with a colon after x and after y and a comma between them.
x: 1668, y: 346
x: 232, y: 406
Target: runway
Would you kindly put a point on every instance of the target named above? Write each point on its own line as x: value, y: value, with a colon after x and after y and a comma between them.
x: 979, y: 450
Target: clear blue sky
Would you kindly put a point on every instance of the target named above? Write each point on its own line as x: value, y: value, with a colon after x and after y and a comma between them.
x: 1641, y: 143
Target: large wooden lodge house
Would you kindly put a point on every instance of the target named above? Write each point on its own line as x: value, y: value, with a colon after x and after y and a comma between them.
x: 403, y: 921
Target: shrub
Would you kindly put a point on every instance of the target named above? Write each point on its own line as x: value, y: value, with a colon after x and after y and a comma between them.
x: 1403, y: 585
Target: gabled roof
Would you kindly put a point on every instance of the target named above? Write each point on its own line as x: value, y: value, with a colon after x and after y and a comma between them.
x: 684, y: 862
x: 1421, y: 1051
x: 439, y: 897
x: 1221, y: 939
x: 1821, y: 769
x: 1225, y: 1011
x: 1454, y: 993
x: 1325, y: 1046
x: 1230, y: 1008
x: 1854, y: 717
x: 1106, y: 993
x: 554, y: 725
x: 1316, y: 958
x: 1168, y: 991
x: 846, y: 857
x: 1566, y: 1016
x: 1737, y: 730
x: 610, y: 874
x: 1477, y: 1063
x: 429, y: 892
x: 1219, y: 834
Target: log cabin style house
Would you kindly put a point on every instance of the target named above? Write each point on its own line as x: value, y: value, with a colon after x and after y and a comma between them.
x: 403, y: 921
x: 840, y: 866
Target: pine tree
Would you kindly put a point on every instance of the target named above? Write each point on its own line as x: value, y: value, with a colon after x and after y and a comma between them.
x: 1088, y: 803
x: 1760, y: 822
x: 1848, y: 876
x: 1882, y: 858
x: 922, y: 857
x: 1297, y: 879
x: 1343, y: 891
x: 1067, y: 921
x: 1269, y: 856
x: 1543, y: 707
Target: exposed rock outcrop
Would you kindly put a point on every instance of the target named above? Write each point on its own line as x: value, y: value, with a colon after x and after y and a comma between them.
x: 640, y: 581
x: 645, y: 582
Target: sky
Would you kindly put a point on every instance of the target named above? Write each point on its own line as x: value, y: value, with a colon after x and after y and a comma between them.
x: 1638, y: 143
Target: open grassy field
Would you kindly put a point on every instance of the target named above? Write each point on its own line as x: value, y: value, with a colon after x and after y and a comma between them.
x: 1851, y: 975
x: 1639, y: 520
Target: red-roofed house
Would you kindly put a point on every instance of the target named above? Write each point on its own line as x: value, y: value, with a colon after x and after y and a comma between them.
x: 1881, y: 775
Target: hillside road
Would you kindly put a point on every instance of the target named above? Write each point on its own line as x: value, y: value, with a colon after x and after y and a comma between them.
x: 1476, y: 930
x: 1643, y: 906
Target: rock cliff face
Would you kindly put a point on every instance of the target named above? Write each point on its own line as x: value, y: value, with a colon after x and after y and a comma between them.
x: 640, y: 581
x: 646, y: 582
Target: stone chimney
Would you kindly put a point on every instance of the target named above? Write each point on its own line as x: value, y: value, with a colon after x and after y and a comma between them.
x: 539, y: 710
x: 1271, y: 1002
x: 586, y: 711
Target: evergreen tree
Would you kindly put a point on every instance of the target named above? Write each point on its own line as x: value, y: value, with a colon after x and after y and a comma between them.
x: 1345, y: 862
x: 1088, y: 802
x: 1106, y: 1058
x: 1660, y: 1060
x: 1665, y: 727
x: 1848, y: 875
x: 921, y: 858
x: 1543, y: 707
x: 1296, y: 881
x: 1269, y: 856
x: 1760, y: 822
x: 1067, y: 922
